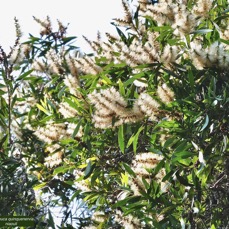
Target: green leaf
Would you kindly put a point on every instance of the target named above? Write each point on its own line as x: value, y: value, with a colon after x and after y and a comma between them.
x: 3, y: 140
x: 121, y: 141
x: 135, y: 142
x: 183, y: 146
x: 23, y: 76
x: 106, y: 79
x: 170, y: 142
x: 40, y: 186
x: 77, y: 128
x: 61, y: 169
x: 205, y: 123
x: 132, y: 79
x: 61, y: 92
x: 202, y: 31
x: 42, y: 109
x: 68, y: 39
x: 121, y: 34
x: 50, y: 220
x: 71, y: 103
x: 128, y: 169
x: 89, y: 169
x: 184, y: 154
x: 2, y: 92
x: 121, y: 87
x: 130, y: 141
x: 191, y: 79
x: 225, y: 41
x: 128, y: 200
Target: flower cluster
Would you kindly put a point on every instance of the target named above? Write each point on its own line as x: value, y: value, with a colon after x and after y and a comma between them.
x: 143, y: 165
x: 72, y: 83
x: 80, y: 182
x: 165, y: 94
x: 19, y: 54
x: 51, y: 132
x: 183, y: 21
x: 128, y: 221
x: 66, y: 110
x: 111, y: 108
x: 55, y: 62
x: 214, y: 55
x: 55, y: 155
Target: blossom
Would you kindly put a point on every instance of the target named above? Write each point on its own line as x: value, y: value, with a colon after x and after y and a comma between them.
x: 55, y: 155
x: 51, y: 132
x: 72, y: 82
x: 67, y: 111
x: 141, y: 165
x: 128, y: 221
x: 17, y: 56
x: 165, y: 94
x: 202, y: 7
x: 148, y: 105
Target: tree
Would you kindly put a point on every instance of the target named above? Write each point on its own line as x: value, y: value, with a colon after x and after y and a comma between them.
x: 138, y: 130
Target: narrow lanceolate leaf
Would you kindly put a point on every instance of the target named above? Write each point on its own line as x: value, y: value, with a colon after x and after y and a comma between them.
x: 50, y: 220
x: 135, y: 142
x: 40, y: 186
x: 42, y: 109
x: 24, y: 75
x: 129, y: 170
x: 77, y: 128
x: 121, y: 141
x: 202, y: 31
x: 205, y: 123
x: 89, y: 169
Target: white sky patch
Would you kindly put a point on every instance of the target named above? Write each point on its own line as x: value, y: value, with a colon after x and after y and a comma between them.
x: 84, y: 18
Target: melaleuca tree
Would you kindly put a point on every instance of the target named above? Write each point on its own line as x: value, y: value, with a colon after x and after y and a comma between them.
x: 138, y: 129
x: 17, y: 196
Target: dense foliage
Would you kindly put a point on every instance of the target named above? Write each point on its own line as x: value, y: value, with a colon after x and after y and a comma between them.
x: 134, y: 134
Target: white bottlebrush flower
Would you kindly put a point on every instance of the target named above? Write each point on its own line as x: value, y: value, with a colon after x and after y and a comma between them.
x: 148, y: 105
x: 80, y: 183
x: 55, y: 156
x: 169, y: 54
x: 17, y: 56
x: 102, y: 121
x: 198, y: 55
x: 72, y: 82
x: 214, y: 55
x: 54, y: 62
x: 72, y: 66
x: 99, y: 217
x: 111, y: 109
x: 67, y: 111
x: 141, y: 165
x: 71, y: 128
x: 128, y: 221
x: 184, y: 24
x: 39, y: 66
x: 87, y: 65
x: 165, y: 94
x: 51, y: 132
x: 25, y: 106
x: 202, y: 7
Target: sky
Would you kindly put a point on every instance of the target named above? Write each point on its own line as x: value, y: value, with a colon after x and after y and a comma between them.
x: 85, y: 17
